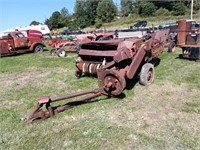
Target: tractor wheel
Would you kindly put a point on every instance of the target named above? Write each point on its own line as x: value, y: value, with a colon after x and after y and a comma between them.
x: 147, y: 74
x: 62, y: 53
x: 171, y: 47
x: 38, y: 49
x: 53, y: 52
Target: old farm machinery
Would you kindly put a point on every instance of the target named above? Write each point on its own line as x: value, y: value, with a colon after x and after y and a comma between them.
x: 115, y: 62
x: 188, y: 38
x: 63, y: 46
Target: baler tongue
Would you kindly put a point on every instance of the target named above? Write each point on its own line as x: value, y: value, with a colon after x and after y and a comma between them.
x: 44, y: 103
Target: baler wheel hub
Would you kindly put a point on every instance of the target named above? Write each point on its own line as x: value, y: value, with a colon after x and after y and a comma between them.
x: 113, y: 81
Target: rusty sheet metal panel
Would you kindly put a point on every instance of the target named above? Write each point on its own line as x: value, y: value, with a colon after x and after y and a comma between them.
x: 6, y: 45
x: 182, y: 26
x: 136, y: 62
x: 185, y: 28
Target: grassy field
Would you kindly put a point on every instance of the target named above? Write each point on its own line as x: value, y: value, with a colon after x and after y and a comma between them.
x: 164, y: 115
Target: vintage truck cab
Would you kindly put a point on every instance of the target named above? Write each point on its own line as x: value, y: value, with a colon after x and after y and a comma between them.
x: 15, y: 42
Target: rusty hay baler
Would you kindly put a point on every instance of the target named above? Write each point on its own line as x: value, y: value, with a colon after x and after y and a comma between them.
x: 114, y: 62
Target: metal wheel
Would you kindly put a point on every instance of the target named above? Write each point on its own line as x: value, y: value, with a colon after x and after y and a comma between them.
x: 62, y: 53
x: 113, y: 82
x: 147, y: 74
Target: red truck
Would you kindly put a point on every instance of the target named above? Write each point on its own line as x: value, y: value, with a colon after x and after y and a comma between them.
x: 15, y: 42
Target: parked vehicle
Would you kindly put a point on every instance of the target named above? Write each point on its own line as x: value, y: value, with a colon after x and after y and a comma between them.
x: 42, y: 28
x: 15, y: 42
x: 188, y: 38
x: 27, y: 33
x: 34, y: 33
x: 139, y: 24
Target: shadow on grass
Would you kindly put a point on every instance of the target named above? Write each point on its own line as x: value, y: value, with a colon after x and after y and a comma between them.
x: 14, y: 54
x: 180, y: 56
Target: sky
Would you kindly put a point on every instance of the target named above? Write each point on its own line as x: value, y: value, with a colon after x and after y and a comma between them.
x: 20, y: 13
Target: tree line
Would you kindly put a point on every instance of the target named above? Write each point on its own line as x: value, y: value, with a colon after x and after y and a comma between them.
x: 96, y: 12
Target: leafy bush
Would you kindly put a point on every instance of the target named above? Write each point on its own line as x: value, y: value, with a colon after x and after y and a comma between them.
x: 162, y: 12
x: 98, y: 23
x: 146, y: 9
x: 179, y: 9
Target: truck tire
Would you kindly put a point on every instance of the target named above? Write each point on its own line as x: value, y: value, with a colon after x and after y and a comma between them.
x: 147, y: 74
x: 38, y: 48
x: 171, y: 47
x: 62, y: 53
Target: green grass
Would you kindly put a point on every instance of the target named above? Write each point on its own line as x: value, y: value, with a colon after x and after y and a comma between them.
x: 164, y: 115
x: 193, y: 106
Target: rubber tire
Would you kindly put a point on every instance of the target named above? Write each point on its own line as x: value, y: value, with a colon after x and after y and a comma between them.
x: 38, y: 48
x: 171, y: 47
x: 62, y: 53
x: 53, y: 52
x: 144, y: 74
x: 78, y: 74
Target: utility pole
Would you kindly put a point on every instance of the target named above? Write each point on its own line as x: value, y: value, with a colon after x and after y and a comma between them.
x: 191, y: 15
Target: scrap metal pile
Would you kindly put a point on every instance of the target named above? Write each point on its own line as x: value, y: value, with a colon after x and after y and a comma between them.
x: 114, y: 62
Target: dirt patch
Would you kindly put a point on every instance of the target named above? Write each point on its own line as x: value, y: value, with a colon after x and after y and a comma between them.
x: 28, y: 77
x: 158, y: 107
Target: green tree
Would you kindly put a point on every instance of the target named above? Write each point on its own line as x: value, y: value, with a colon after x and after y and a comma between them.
x: 196, y: 5
x: 162, y: 12
x: 98, y: 23
x: 55, y: 21
x: 34, y: 23
x: 145, y: 8
x: 64, y: 13
x: 91, y: 11
x: 66, y: 16
x: 79, y: 12
x: 164, y: 4
x: 106, y: 11
x: 179, y: 9
x: 126, y: 7
x: 85, y: 12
